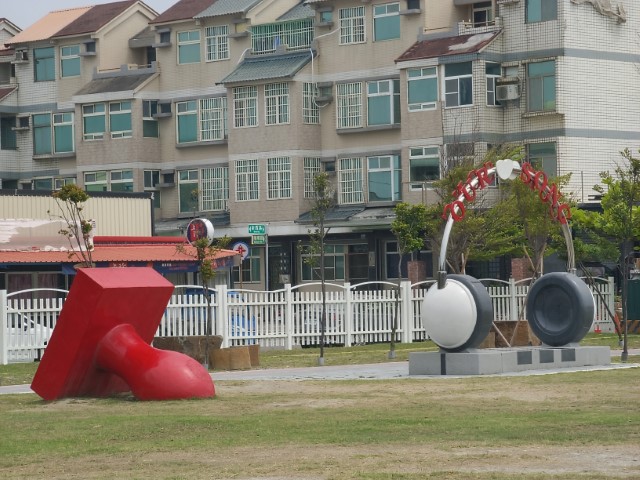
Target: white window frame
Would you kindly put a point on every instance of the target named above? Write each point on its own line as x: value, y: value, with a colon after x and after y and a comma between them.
x: 124, y: 108
x: 93, y: 113
x: 276, y: 103
x: 392, y: 94
x: 247, y: 180
x: 61, y: 120
x: 245, y: 107
x: 352, y: 25
x: 186, y: 43
x: 312, y: 166
x: 426, y: 153
x: 425, y: 73
x: 310, y: 109
x: 121, y: 177
x: 217, y: 43
x: 278, y: 178
x: 96, y: 178
x: 350, y: 181
x: 390, y: 10
x: 491, y: 85
x: 65, y: 57
x: 214, y: 185
x: 394, y: 172
x: 212, y: 119
x: 349, y: 105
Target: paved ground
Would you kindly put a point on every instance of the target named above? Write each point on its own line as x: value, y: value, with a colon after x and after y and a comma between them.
x: 375, y: 371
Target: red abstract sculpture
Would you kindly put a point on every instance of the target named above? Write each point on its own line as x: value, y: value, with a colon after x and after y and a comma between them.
x: 101, y: 343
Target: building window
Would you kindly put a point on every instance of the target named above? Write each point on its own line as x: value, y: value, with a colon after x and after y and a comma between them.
x: 492, y: 71
x: 213, y: 118
x: 95, y: 181
x: 8, y: 140
x: 482, y: 14
x: 247, y: 180
x: 70, y: 61
x: 93, y: 121
x: 541, y: 10
x: 422, y: 88
x: 349, y: 105
x: 189, y: 47
x: 458, y: 84
x: 249, y: 268
x: 149, y: 122
x: 121, y: 180
x: 276, y: 103
x: 350, y: 180
x: 151, y: 181
x: 42, y: 134
x: 312, y: 167
x: 52, y: 183
x: 187, y: 124
x: 383, y: 102
x: 541, y: 80
x: 424, y: 166
x: 120, y: 119
x: 334, y: 263
x: 352, y: 25
x: 383, y: 178
x: 278, y: 178
x: 310, y: 109
x: 245, y: 106
x: 188, y: 191
x: 217, y: 41
x: 63, y: 132
x: 44, y: 64
x: 294, y: 35
x: 543, y: 157
x: 214, y: 188
x: 386, y: 21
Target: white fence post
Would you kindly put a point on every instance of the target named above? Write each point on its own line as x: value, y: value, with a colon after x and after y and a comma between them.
x: 348, y: 314
x: 406, y: 311
x: 222, y: 315
x: 513, y: 301
x: 4, y: 354
x: 288, y: 316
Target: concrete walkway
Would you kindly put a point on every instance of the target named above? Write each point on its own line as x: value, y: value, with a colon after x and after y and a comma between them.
x: 374, y: 371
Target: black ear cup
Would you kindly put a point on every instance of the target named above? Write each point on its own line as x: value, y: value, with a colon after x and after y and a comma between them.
x: 560, y: 308
x: 458, y: 316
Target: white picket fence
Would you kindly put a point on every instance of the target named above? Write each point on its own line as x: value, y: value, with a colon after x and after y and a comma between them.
x: 287, y: 318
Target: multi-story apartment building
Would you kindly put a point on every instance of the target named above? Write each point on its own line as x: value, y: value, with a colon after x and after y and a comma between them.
x: 227, y: 109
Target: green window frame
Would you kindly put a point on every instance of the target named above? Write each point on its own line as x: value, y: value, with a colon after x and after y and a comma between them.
x: 42, y: 134
x: 44, y: 64
x: 120, y: 119
x: 541, y: 82
x: 93, y: 121
x: 70, y: 61
x: 8, y: 139
x: 422, y: 88
x: 96, y: 181
x: 121, y: 180
x: 188, y: 47
x: 383, y: 102
x: 386, y: 21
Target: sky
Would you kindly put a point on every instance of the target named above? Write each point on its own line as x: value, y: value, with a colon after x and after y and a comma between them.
x: 24, y: 13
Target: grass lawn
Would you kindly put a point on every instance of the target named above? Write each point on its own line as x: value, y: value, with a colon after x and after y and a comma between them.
x: 583, y: 425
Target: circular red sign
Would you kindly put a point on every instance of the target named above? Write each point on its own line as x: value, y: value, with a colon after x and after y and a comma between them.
x: 198, y: 229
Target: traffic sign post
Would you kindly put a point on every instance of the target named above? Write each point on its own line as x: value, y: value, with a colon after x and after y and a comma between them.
x: 258, y: 239
x: 257, y: 229
x: 258, y: 232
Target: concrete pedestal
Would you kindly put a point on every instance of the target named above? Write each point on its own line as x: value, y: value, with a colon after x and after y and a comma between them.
x: 505, y: 360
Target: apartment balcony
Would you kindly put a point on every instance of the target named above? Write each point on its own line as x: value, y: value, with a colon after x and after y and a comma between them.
x: 471, y: 28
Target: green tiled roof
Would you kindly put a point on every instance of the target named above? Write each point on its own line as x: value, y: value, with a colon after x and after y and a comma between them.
x: 298, y: 12
x: 123, y: 83
x: 227, y: 7
x: 266, y: 67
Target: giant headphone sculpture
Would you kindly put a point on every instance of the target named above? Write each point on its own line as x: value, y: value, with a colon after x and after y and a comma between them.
x: 458, y: 312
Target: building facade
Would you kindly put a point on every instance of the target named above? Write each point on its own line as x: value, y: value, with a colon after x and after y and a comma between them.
x: 227, y: 109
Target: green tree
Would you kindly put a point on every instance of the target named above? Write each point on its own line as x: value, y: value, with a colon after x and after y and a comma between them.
x: 70, y: 200
x: 408, y: 227
x: 322, y: 202
x: 614, y: 229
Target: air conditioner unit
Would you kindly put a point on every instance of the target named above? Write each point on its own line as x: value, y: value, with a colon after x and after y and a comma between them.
x: 507, y: 92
